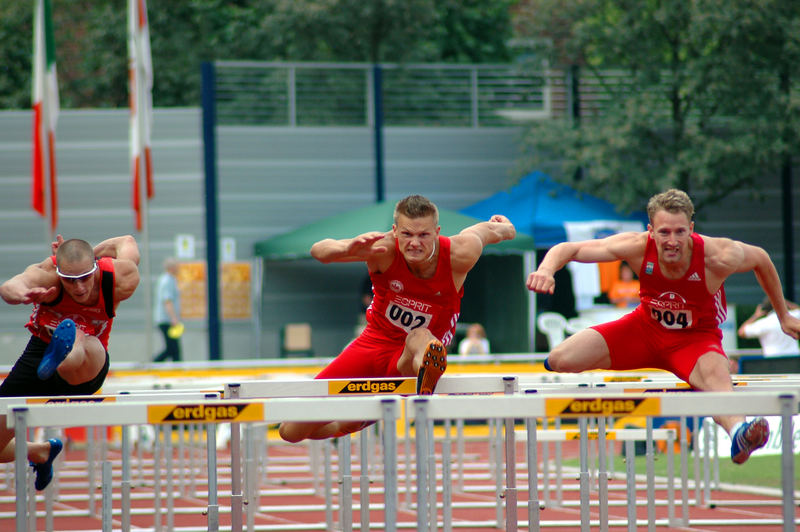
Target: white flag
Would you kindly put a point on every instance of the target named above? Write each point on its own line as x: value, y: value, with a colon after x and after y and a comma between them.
x: 45, y: 112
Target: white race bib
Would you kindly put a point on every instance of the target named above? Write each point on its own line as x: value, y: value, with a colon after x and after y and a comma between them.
x: 406, y: 318
x: 672, y: 318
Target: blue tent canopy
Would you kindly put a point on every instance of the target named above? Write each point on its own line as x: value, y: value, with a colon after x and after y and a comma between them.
x: 539, y: 206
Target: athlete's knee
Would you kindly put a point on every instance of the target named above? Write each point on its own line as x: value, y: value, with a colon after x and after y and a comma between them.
x: 555, y: 362
x: 419, y: 336
x: 560, y: 361
x: 290, y: 432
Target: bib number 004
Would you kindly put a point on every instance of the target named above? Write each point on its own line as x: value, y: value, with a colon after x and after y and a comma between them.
x: 672, y: 319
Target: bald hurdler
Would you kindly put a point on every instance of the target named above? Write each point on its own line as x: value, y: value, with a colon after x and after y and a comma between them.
x: 75, y: 293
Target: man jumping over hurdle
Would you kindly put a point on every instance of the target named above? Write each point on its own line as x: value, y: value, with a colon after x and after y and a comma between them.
x: 417, y: 281
x: 75, y: 293
x: 682, y: 304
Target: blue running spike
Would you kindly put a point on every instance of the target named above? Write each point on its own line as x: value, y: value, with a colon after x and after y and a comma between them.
x: 57, y: 349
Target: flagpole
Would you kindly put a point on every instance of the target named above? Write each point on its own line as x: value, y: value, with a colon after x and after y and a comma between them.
x: 145, y: 255
x: 47, y: 168
x: 48, y: 209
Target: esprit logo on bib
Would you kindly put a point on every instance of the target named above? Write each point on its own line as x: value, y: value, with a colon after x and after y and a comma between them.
x: 409, y: 314
x: 670, y: 311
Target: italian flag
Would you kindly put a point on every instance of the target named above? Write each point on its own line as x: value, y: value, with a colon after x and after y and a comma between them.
x: 45, y: 111
x: 140, y: 80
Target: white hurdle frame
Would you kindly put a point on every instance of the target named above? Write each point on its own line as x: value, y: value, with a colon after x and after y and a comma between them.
x: 433, y: 408
x: 634, y: 382
x: 497, y: 383
x: 447, y: 384
x: 7, y: 404
x: 375, y: 408
x: 741, y: 401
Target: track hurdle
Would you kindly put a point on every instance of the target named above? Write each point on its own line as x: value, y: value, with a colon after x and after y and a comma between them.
x: 661, y: 404
x: 8, y: 403
x: 210, y: 412
x: 625, y: 382
x: 448, y: 384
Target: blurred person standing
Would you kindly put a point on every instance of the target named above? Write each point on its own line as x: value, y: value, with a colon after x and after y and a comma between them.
x: 765, y: 326
x: 167, y: 312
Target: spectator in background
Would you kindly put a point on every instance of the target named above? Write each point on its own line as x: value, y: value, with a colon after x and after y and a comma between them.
x: 475, y: 342
x: 624, y: 292
x: 609, y: 274
x: 764, y: 325
x: 167, y: 312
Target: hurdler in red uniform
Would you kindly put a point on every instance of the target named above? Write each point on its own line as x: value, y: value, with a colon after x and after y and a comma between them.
x: 676, y: 325
x: 94, y: 319
x: 401, y: 303
x: 75, y: 294
x: 417, y: 277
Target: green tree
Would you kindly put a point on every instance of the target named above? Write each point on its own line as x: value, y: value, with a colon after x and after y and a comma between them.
x: 16, y: 38
x: 472, y: 31
x: 91, y: 40
x: 701, y: 99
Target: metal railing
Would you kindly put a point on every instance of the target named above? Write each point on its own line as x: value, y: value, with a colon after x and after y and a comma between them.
x: 343, y: 94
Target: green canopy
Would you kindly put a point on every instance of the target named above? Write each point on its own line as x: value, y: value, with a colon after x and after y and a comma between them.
x: 375, y: 217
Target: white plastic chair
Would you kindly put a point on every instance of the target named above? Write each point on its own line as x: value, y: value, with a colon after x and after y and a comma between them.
x: 578, y: 324
x: 553, y: 325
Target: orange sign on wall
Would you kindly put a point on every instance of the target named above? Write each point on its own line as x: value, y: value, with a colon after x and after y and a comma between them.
x: 192, y: 285
x: 235, y: 285
x: 236, y: 291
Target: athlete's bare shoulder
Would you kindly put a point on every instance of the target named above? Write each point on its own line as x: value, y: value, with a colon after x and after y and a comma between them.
x: 723, y: 256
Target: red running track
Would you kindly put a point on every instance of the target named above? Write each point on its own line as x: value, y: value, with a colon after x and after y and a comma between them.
x: 287, y: 500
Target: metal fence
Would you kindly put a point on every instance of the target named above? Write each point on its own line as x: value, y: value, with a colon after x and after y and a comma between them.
x: 343, y: 94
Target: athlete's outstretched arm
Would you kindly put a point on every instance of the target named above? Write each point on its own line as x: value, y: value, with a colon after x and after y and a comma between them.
x: 497, y: 229
x: 622, y: 246
x: 37, y: 283
x: 359, y: 248
x: 733, y: 256
x: 467, y: 246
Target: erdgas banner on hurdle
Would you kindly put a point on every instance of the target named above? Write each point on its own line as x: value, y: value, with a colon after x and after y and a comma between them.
x: 209, y: 412
x: 433, y: 408
x: 448, y: 384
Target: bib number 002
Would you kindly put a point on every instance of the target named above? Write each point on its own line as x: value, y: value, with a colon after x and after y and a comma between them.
x: 407, y: 319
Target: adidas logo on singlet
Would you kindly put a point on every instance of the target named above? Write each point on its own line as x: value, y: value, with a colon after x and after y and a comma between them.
x: 694, y: 277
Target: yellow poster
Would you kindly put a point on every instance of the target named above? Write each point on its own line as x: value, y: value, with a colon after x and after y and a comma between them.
x: 236, y: 291
x: 192, y: 286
